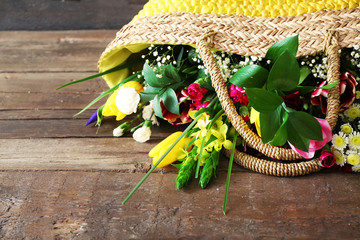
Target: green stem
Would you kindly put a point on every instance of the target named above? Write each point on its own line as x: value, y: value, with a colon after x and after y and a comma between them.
x: 203, y: 141
x: 114, y: 69
x: 231, y: 160
x: 162, y: 157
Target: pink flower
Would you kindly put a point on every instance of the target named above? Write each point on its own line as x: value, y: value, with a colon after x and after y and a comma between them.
x: 294, y: 101
x: 316, y: 145
x: 238, y: 94
x: 194, y: 92
x: 198, y: 104
x: 347, y: 93
x: 327, y: 159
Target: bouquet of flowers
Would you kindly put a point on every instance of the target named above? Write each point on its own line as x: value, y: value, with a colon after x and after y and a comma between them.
x: 278, y: 107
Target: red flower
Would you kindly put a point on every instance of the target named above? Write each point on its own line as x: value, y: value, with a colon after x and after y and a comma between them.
x: 176, y: 119
x: 327, y: 159
x: 238, y: 94
x: 347, y: 93
x: 294, y: 101
x: 194, y: 92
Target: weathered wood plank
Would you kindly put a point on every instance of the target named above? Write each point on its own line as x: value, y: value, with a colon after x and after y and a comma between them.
x: 50, y: 100
x: 33, y: 114
x: 77, y: 205
x: 106, y: 154
x: 66, y: 128
x: 67, y: 14
x: 85, y: 154
x: 47, y: 82
x: 54, y: 51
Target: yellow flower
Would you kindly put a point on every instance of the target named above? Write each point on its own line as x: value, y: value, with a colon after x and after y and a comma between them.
x: 353, y: 158
x: 255, y: 118
x: 356, y: 168
x: 357, y: 94
x: 158, y: 151
x: 339, y: 156
x: 346, y: 128
x: 221, y: 140
x: 354, y: 140
x: 339, y: 141
x: 352, y: 112
x: 110, y: 108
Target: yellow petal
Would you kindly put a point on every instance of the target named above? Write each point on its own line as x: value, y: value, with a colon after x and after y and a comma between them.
x: 254, y: 115
x: 155, y: 150
x: 172, y: 155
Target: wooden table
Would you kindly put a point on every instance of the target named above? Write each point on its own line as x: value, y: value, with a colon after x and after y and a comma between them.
x: 61, y: 180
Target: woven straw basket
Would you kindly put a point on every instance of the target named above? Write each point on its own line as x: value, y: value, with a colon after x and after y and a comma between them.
x: 245, y: 29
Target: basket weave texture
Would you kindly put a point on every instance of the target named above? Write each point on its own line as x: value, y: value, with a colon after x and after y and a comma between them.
x: 327, y: 30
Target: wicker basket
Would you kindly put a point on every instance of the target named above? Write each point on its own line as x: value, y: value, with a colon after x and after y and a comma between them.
x: 324, y: 30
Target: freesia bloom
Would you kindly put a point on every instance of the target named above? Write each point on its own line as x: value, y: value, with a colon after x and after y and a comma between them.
x: 316, y: 145
x: 238, y: 94
x: 93, y: 118
x: 111, y: 109
x: 143, y: 134
x: 176, y: 119
x: 120, y: 130
x: 347, y: 93
x: 148, y: 113
x: 158, y: 151
x: 327, y: 159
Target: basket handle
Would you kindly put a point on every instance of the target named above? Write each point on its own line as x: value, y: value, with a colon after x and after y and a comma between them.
x: 206, y: 42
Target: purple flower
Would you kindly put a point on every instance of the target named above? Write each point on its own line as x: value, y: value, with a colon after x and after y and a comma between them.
x: 93, y: 118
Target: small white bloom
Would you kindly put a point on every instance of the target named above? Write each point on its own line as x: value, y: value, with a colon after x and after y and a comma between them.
x: 118, y: 132
x: 142, y: 134
x: 127, y: 100
x: 155, y: 53
x: 148, y: 114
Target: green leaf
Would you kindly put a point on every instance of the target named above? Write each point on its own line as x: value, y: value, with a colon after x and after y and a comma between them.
x: 329, y: 86
x: 179, y: 58
x: 114, y: 69
x: 285, y: 73
x: 157, y: 107
x: 251, y: 76
x: 304, y: 72
x: 150, y: 76
x: 296, y: 139
x: 306, y: 125
x: 269, y: 124
x: 170, y: 101
x: 291, y: 44
x: 262, y: 100
x: 281, y: 135
x: 149, y: 94
x: 171, y: 74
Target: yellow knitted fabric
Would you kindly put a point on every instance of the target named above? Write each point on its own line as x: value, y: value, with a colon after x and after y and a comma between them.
x: 259, y: 8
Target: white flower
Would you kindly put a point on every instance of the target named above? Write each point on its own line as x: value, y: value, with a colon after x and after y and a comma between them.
x: 142, y: 134
x: 118, y: 132
x: 354, y: 140
x: 127, y: 100
x: 148, y: 114
x: 339, y: 141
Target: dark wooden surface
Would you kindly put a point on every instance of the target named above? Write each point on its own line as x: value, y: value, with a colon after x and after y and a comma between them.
x: 59, y: 180
x: 67, y: 14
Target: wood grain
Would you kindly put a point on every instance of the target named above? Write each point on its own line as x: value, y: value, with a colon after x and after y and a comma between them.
x: 67, y: 14
x: 61, y: 180
x: 52, y: 51
x: 87, y: 205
